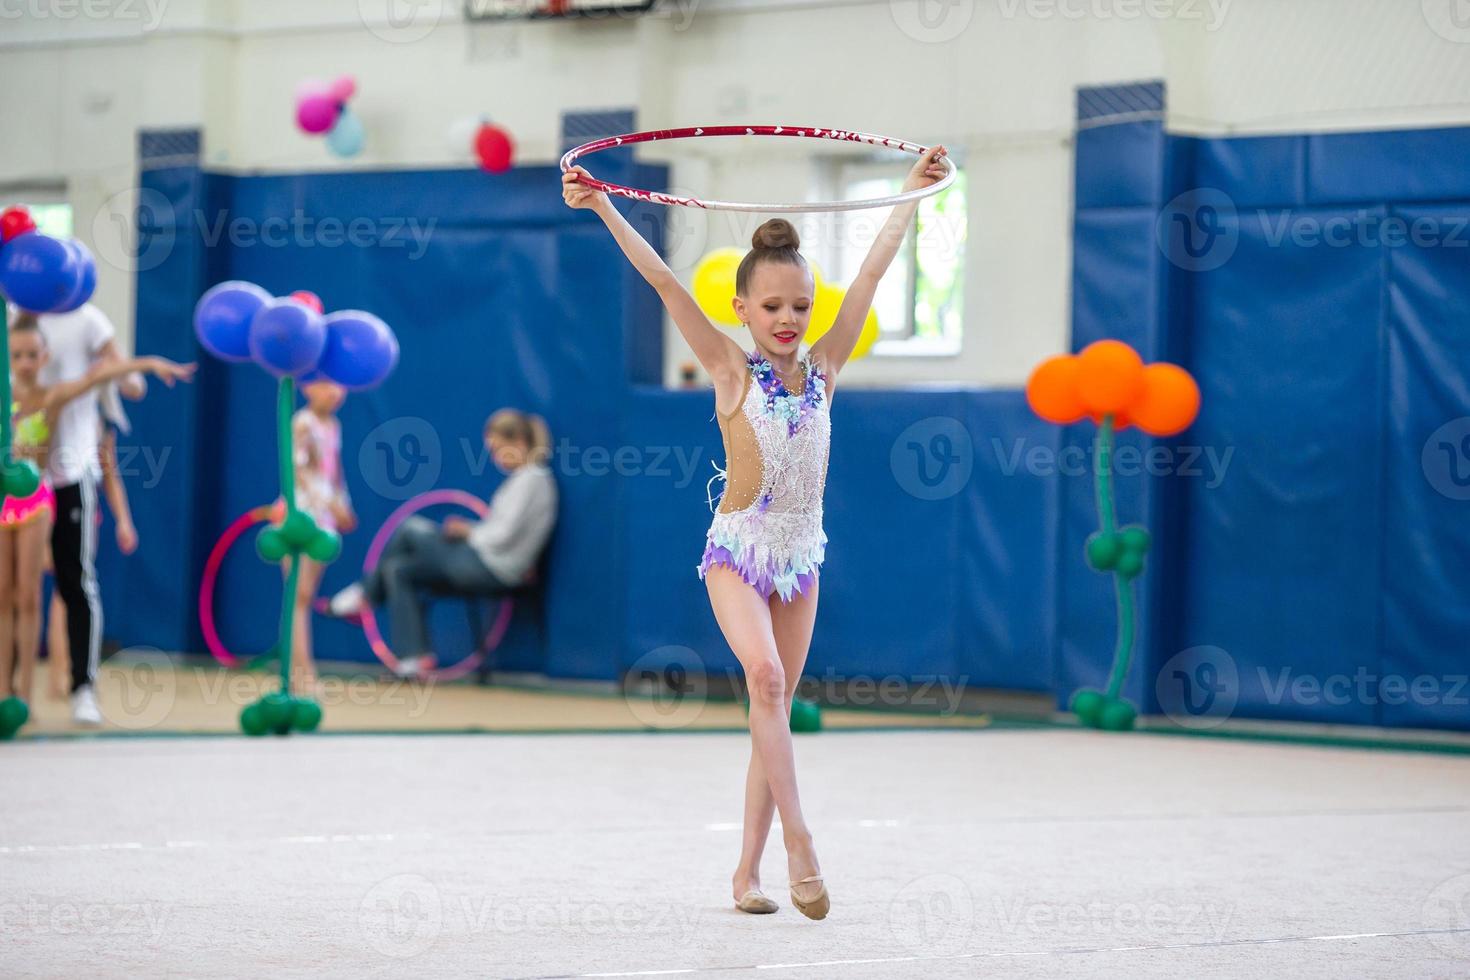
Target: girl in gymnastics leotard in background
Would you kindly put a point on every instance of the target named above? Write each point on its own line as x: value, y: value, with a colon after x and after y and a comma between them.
x: 25, y: 523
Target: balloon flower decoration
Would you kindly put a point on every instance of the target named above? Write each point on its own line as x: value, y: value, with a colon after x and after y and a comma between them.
x: 714, y: 288
x: 321, y: 107
x: 1109, y: 383
x: 291, y: 339
x: 39, y: 274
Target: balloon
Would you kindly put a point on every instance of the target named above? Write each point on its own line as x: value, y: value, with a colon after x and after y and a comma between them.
x: 1110, y: 376
x: 714, y: 285
x: 1052, y: 390
x: 306, y: 714
x: 19, y: 478
x: 494, y: 148
x: 317, y: 113
x: 222, y: 318
x: 86, y: 282
x: 308, y: 298
x: 15, y: 221
x: 1169, y: 403
x: 347, y: 136
x: 287, y: 337
x: 343, y: 88
x: 361, y: 350
x: 868, y: 337
x: 324, y: 546
x: 39, y: 273
x: 825, y: 305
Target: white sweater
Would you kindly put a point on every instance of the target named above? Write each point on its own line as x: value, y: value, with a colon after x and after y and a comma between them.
x: 522, y: 515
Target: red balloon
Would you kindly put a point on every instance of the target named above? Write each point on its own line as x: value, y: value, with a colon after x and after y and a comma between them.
x: 494, y: 148
x: 15, y: 221
x: 309, y: 299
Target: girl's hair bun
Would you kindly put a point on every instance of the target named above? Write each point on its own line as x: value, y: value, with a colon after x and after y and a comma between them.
x: 775, y: 233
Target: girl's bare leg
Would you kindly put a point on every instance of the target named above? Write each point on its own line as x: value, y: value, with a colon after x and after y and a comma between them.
x: 7, y: 612
x: 791, y: 625
x: 30, y: 559
x: 747, y: 623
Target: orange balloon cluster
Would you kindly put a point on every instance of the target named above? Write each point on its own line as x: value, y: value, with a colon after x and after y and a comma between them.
x: 1109, y: 378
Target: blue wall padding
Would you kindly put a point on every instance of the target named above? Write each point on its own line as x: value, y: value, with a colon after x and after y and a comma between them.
x: 1426, y: 539
x: 1325, y: 553
x: 1322, y: 549
x: 1284, y: 552
x: 169, y: 458
x: 1007, y: 545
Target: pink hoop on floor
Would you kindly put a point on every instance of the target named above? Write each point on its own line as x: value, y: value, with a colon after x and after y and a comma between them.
x: 375, y: 551
x: 256, y: 515
x: 798, y: 132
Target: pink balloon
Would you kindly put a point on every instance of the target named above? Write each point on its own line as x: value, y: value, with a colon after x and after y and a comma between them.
x: 343, y: 88
x: 317, y: 113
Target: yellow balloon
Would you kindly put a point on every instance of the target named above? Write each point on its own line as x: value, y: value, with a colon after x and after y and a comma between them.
x: 714, y: 285
x: 868, y: 337
x: 825, y: 304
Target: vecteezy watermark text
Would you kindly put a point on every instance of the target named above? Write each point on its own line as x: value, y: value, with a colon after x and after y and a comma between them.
x: 1188, y: 462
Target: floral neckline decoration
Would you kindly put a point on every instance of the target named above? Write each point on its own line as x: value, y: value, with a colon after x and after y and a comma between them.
x: 780, y: 403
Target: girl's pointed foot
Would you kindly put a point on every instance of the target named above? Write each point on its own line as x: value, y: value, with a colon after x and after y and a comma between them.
x: 815, y: 906
x: 808, y: 891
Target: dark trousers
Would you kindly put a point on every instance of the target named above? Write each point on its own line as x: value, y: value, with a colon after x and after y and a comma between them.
x: 418, y: 558
x: 73, y: 556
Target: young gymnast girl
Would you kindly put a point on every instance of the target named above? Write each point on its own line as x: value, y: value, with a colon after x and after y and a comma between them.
x: 765, y: 546
x: 316, y: 438
x: 25, y: 523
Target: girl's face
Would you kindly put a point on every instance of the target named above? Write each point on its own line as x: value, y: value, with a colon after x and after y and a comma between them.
x: 778, y: 308
x: 508, y: 454
x: 27, y: 355
x: 324, y: 397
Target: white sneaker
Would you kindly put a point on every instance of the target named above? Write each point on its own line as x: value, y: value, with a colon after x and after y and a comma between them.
x: 84, y: 710
x: 411, y: 666
x: 348, y: 602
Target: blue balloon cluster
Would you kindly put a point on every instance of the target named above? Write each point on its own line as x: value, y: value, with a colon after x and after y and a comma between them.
x: 239, y: 321
x: 42, y: 274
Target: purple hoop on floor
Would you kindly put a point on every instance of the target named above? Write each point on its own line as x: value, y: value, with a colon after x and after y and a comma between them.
x: 370, y: 629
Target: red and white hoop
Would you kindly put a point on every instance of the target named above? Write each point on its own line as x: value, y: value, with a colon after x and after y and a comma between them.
x: 798, y: 132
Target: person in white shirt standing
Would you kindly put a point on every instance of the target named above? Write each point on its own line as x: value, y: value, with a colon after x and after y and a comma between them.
x: 77, y: 341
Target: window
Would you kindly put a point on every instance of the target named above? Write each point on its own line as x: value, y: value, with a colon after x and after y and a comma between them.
x: 920, y: 302
x: 52, y: 219
x: 47, y: 205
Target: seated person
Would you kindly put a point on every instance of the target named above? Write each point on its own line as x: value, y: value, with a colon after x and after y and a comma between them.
x: 485, y: 557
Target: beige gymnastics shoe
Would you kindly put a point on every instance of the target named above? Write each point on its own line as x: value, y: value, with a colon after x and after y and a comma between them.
x: 756, y: 902
x: 818, y: 907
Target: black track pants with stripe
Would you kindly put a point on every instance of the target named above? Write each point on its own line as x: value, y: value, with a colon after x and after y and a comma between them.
x: 73, y: 554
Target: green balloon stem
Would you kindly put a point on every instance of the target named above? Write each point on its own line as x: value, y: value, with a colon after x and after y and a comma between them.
x: 1122, y: 585
x: 285, y: 404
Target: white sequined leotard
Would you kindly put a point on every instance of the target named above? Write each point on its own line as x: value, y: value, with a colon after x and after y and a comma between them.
x: 769, y: 525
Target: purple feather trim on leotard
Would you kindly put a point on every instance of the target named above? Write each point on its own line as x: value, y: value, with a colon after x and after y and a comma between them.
x: 764, y: 580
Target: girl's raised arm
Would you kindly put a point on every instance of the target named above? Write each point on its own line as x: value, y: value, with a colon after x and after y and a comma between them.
x: 835, y: 346
x: 720, y: 356
x: 162, y: 368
